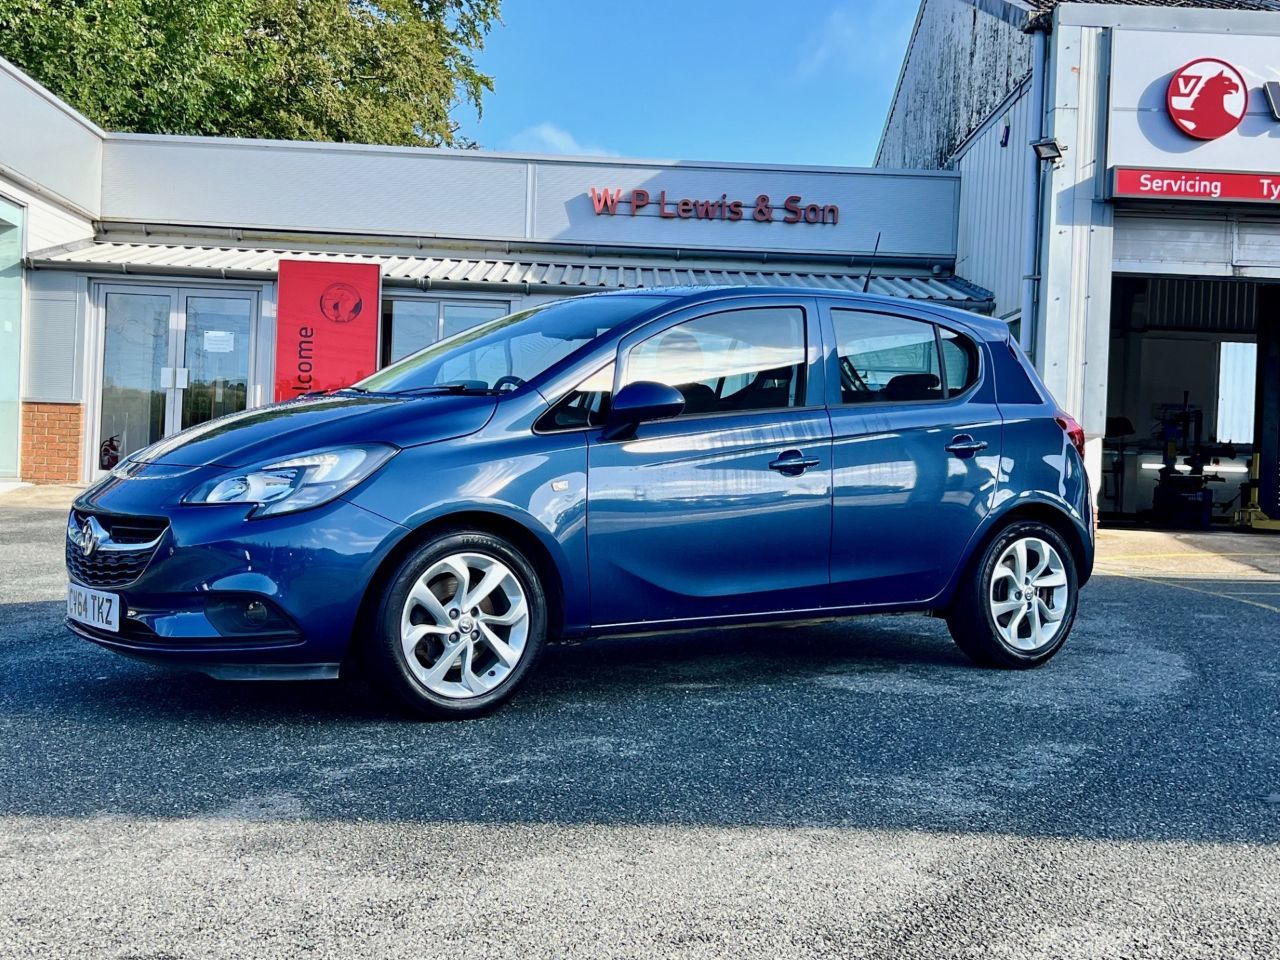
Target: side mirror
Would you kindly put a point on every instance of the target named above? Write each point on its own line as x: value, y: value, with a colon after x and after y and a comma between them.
x: 638, y: 403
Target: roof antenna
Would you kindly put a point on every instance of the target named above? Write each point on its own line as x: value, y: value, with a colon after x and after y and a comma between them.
x: 866, y: 282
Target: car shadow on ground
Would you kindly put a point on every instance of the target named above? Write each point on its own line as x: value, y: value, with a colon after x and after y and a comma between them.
x: 871, y: 723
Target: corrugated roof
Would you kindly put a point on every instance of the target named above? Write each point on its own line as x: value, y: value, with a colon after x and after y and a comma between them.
x: 482, y: 271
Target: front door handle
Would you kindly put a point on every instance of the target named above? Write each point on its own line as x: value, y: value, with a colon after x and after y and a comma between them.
x: 792, y: 463
x: 962, y: 444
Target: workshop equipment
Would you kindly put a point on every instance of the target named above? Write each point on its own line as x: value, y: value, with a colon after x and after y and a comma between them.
x: 1251, y: 515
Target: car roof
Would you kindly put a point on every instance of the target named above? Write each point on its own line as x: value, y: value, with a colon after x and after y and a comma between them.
x: 989, y: 328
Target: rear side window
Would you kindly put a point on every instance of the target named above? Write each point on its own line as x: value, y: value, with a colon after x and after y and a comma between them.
x: 886, y: 359
x: 889, y: 359
x: 738, y: 360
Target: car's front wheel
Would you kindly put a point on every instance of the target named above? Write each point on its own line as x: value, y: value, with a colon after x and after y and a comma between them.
x: 1019, y: 602
x: 460, y: 626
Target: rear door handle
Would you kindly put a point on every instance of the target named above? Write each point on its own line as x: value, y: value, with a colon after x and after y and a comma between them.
x: 792, y: 463
x: 963, y: 443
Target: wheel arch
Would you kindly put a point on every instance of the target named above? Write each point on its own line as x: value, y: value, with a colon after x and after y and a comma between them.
x: 1050, y: 514
x: 479, y: 520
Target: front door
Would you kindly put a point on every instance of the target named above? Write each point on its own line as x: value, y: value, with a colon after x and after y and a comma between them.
x: 726, y: 509
x: 917, y: 440
x: 171, y: 358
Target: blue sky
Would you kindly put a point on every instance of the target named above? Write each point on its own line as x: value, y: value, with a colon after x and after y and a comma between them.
x: 805, y: 81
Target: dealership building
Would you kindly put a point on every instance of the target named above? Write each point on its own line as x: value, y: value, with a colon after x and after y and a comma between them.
x: 1135, y: 249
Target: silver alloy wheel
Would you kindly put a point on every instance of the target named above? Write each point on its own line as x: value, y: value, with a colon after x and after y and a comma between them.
x: 464, y: 625
x: 1029, y: 594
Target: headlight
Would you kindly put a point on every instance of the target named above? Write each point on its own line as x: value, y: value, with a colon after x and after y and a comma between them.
x: 297, y: 483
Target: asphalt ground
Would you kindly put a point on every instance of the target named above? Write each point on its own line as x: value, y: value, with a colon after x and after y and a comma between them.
x: 845, y: 790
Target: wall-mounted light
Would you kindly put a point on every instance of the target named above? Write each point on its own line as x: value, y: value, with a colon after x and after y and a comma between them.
x: 1050, y: 148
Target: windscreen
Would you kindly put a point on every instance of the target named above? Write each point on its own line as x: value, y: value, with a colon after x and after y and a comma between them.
x: 509, y: 351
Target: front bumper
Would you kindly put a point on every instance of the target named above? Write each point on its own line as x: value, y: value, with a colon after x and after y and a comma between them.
x: 310, y: 569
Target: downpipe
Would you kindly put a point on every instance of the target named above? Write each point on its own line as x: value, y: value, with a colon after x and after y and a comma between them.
x: 1031, y: 236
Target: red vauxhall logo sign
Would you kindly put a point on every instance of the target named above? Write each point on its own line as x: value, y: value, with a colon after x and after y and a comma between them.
x: 1207, y: 98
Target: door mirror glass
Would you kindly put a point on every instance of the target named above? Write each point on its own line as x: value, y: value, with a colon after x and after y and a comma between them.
x: 641, y: 402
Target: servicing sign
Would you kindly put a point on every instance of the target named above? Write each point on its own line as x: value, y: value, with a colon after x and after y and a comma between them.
x: 1194, y: 117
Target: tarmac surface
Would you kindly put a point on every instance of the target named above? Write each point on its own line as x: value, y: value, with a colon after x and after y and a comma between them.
x: 843, y: 790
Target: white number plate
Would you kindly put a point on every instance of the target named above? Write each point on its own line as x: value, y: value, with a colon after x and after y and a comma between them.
x: 97, y: 609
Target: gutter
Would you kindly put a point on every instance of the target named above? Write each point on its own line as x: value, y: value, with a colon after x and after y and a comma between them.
x: 982, y: 305
x: 1031, y: 237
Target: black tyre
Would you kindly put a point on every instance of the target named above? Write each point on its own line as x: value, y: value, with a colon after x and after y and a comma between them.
x: 1018, y: 603
x: 460, y: 626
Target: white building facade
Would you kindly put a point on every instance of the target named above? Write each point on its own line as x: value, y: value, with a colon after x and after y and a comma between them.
x: 139, y: 275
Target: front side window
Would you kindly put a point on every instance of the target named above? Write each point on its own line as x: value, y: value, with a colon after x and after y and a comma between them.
x: 751, y: 359
x: 886, y: 359
x: 509, y: 351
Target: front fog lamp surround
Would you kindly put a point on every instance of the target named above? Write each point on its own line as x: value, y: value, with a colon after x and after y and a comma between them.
x: 296, y: 483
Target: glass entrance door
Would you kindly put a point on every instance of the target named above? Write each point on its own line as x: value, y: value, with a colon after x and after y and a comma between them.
x: 172, y: 358
x: 137, y: 351
x: 217, y: 337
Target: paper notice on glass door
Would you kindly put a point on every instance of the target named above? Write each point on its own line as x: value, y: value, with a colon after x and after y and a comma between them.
x: 219, y: 341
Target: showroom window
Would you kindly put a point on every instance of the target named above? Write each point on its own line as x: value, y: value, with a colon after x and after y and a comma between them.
x: 411, y: 323
x: 727, y: 362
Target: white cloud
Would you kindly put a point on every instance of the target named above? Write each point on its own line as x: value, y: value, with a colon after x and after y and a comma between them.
x: 857, y: 39
x: 548, y: 138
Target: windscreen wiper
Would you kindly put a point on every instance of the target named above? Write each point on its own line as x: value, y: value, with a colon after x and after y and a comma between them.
x: 443, y: 388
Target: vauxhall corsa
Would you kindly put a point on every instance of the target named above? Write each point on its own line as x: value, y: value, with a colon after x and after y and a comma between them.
x: 620, y: 463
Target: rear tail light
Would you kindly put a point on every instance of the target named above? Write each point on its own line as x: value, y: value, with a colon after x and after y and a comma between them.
x: 1073, y: 430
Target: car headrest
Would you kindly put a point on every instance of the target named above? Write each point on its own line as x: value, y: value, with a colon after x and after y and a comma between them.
x: 912, y: 386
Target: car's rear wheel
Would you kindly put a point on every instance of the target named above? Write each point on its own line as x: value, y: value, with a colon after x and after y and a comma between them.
x: 460, y: 626
x: 1019, y: 603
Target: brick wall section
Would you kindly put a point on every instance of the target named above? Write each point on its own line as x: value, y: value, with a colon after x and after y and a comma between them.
x: 51, y: 442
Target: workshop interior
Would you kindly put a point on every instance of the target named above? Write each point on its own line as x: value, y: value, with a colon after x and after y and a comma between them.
x: 1193, y: 409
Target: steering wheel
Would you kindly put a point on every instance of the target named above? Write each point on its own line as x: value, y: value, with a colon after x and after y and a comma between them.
x: 511, y: 379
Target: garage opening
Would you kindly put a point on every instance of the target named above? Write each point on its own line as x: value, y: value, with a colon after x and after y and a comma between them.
x: 1193, y: 395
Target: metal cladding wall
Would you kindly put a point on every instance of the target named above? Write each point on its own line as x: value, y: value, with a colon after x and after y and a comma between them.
x: 494, y: 197
x: 45, y: 145
x: 993, y: 214
x: 961, y: 63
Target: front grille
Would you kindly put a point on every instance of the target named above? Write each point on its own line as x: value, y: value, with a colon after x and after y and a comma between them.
x: 126, y: 546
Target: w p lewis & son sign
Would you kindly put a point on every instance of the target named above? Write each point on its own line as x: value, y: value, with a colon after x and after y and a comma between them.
x: 763, y: 209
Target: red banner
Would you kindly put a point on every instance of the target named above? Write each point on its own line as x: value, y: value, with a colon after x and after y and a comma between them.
x: 326, y: 325
x: 1197, y: 185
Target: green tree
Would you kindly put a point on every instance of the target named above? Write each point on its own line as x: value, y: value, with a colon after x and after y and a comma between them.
x: 381, y: 71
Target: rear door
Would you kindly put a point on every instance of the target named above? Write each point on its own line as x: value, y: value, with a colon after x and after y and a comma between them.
x: 916, y: 452
x: 726, y: 509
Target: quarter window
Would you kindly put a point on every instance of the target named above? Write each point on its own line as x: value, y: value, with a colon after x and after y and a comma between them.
x: 959, y: 361
x: 587, y: 405
x: 739, y: 360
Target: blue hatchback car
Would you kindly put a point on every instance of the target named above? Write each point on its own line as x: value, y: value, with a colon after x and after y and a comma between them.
x: 610, y: 464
